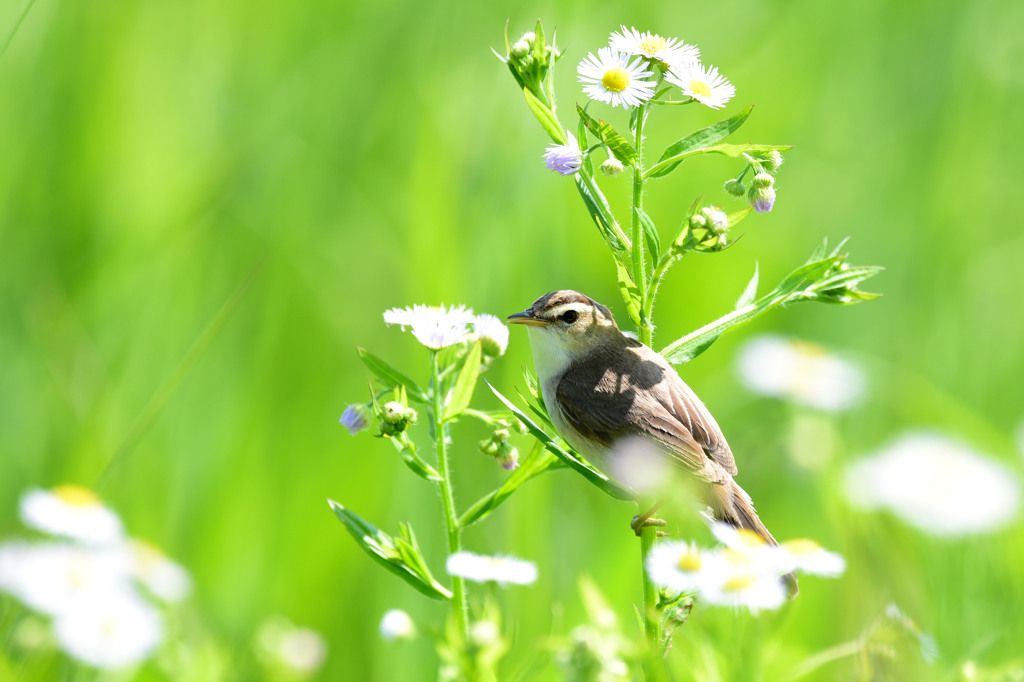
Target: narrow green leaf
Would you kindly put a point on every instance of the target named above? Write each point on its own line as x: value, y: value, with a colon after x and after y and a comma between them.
x: 707, y: 136
x: 537, y: 462
x: 538, y: 42
x: 465, y: 383
x: 737, y: 216
x: 629, y: 291
x: 749, y: 293
x: 577, y: 463
x: 650, y: 233
x: 601, y: 212
x: 545, y: 116
x: 603, y: 130
x: 382, y: 548
x: 391, y: 376
x: 407, y: 451
x: 666, y: 166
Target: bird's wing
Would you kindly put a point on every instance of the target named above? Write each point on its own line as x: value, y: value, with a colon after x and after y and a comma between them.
x: 653, y: 402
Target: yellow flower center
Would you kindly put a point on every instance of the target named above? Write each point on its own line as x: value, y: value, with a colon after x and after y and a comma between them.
x: 76, y: 495
x: 652, y: 44
x: 700, y: 88
x: 749, y: 538
x: 806, y: 348
x: 689, y: 562
x: 615, y: 80
x: 801, y: 547
x: 739, y: 582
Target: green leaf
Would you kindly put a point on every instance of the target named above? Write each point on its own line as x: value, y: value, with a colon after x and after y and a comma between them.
x: 650, y: 233
x: 704, y: 137
x: 407, y: 451
x: 733, y: 150
x: 384, y: 549
x: 601, y: 212
x: 391, y: 376
x: 749, y: 293
x: 577, y: 463
x: 828, y: 279
x: 736, y: 216
x: 537, y: 462
x: 545, y: 116
x: 601, y: 129
x: 465, y: 383
x: 629, y: 291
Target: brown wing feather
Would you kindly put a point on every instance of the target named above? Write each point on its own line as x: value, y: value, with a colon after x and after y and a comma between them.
x: 604, y: 405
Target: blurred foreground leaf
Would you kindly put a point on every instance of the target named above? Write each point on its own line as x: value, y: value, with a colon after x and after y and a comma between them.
x: 400, y: 556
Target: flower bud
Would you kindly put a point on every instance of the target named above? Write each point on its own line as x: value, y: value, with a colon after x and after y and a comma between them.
x: 611, y: 167
x: 773, y: 160
x: 396, y: 418
x: 762, y: 180
x: 508, y: 456
x: 354, y: 418
x: 564, y: 159
x: 735, y: 187
x: 762, y: 198
x: 520, y: 49
x: 717, y: 220
x: 698, y: 222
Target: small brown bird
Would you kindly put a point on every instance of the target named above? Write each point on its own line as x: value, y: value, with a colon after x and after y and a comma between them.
x: 601, y: 386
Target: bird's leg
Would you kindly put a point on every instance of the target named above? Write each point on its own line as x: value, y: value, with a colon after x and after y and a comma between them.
x: 648, y: 519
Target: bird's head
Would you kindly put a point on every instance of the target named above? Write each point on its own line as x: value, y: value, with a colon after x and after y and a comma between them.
x: 566, y: 325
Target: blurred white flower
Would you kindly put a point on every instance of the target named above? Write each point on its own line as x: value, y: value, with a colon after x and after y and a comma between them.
x: 52, y: 577
x: 936, y: 484
x: 436, y: 327
x: 71, y: 511
x: 683, y: 566
x: 641, y: 465
x: 300, y: 650
x: 801, y: 372
x: 614, y: 78
x: 492, y: 332
x: 703, y: 83
x: 397, y: 624
x: 669, y: 51
x: 111, y: 630
x: 808, y: 556
x: 484, y: 633
x: 165, y: 579
x: 741, y: 584
x: 760, y: 556
x: 499, y: 569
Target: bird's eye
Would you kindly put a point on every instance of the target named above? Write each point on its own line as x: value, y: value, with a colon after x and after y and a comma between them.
x: 569, y: 316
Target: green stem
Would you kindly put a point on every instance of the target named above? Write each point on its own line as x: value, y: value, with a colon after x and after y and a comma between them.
x: 459, y: 602
x: 639, y: 267
x: 652, y: 618
x: 659, y: 274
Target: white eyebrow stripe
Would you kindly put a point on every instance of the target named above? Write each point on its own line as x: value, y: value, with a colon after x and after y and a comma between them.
x: 558, y: 310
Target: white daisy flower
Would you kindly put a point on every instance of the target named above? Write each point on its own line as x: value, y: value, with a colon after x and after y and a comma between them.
x: 936, y: 484
x: 746, y: 545
x: 49, y: 577
x: 808, y: 556
x: 435, y: 327
x: 71, y: 511
x: 669, y: 51
x: 397, y: 624
x: 499, y: 569
x: 801, y: 372
x: 613, y: 78
x: 683, y: 566
x: 740, y: 584
x: 300, y: 650
x: 112, y: 630
x: 492, y: 333
x: 703, y: 83
x: 165, y: 579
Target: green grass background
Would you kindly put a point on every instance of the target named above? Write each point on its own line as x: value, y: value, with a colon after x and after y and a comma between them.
x: 205, y: 206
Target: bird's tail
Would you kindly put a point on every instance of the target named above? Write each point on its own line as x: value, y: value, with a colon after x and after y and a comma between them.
x: 731, y: 504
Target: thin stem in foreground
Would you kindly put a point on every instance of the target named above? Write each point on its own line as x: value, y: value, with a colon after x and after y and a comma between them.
x: 459, y: 601
x: 639, y: 267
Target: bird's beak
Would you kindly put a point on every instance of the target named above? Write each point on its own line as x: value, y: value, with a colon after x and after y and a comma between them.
x: 526, y: 317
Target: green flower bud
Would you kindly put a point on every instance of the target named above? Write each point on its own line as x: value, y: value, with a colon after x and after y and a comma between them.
x: 520, y: 49
x: 773, y: 160
x: 698, y: 222
x: 761, y: 181
x: 396, y: 418
x: 501, y: 435
x: 716, y: 219
x: 611, y: 167
x: 735, y: 187
x: 508, y: 456
x: 762, y: 198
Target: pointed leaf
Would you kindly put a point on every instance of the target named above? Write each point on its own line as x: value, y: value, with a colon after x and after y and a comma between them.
x: 545, y: 116
x: 750, y: 293
x: 465, y: 383
x: 537, y: 462
x: 601, y: 212
x: 407, y: 451
x: 382, y: 548
x: 577, y: 463
x: 603, y: 131
x: 629, y: 291
x: 391, y: 376
x: 650, y: 233
x: 706, y: 137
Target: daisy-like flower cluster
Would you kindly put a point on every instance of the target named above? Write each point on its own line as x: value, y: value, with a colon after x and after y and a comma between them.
x: 96, y: 585
x: 438, y: 327
x: 627, y: 72
x: 746, y: 571
x: 499, y: 569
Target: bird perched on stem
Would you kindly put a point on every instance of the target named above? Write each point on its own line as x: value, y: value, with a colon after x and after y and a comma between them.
x: 601, y: 387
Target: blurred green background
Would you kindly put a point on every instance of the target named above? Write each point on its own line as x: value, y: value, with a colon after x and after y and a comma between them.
x: 205, y: 206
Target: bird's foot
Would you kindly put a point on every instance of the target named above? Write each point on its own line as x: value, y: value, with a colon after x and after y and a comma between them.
x: 647, y: 519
